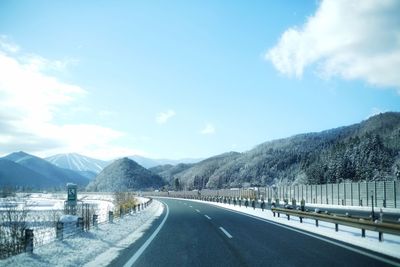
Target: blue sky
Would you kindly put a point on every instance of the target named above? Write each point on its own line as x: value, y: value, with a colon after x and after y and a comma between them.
x: 190, y: 79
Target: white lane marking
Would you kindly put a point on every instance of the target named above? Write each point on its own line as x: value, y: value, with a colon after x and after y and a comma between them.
x: 365, y: 253
x: 208, y: 217
x: 225, y: 232
x: 197, y: 210
x: 191, y: 206
x: 147, y: 243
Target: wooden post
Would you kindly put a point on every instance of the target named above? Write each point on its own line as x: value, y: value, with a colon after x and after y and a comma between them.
x: 60, y: 230
x: 110, y: 216
x: 28, y: 240
x: 95, y: 220
x: 79, y: 223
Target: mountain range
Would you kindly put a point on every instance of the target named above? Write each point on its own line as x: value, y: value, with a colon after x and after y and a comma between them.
x: 365, y: 151
x: 22, y: 169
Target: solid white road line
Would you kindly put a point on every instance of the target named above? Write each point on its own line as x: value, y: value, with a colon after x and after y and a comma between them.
x: 147, y: 243
x: 208, y: 217
x: 225, y: 232
x: 197, y: 210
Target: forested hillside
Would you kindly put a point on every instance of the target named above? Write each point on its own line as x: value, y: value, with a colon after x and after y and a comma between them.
x: 361, y: 152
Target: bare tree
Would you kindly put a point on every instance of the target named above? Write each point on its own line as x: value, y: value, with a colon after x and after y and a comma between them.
x: 12, y: 228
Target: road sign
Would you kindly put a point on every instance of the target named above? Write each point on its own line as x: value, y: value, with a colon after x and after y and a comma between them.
x: 72, y: 194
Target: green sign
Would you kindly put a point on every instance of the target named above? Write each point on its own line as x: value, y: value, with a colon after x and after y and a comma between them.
x: 71, y: 191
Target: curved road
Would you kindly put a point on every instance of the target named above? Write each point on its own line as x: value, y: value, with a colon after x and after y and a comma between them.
x: 198, y: 234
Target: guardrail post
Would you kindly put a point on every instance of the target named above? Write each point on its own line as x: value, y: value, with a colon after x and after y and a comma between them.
x: 380, y: 236
x: 28, y: 240
x: 60, y: 230
x: 110, y: 216
x: 362, y: 232
x: 336, y: 227
x: 316, y: 222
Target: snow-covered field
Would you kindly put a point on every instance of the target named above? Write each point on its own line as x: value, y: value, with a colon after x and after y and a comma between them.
x: 95, y: 248
x: 390, y: 246
x: 44, y: 209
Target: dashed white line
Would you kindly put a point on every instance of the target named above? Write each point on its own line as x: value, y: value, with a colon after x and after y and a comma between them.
x: 197, y: 210
x: 208, y: 217
x: 225, y: 232
x: 191, y: 206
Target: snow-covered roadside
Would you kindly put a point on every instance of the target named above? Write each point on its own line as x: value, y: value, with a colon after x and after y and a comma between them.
x: 390, y: 246
x: 95, y: 248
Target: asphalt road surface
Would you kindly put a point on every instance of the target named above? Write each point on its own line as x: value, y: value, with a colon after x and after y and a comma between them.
x: 197, y: 234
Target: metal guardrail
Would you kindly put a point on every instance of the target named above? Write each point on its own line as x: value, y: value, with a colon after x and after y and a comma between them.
x: 377, y: 226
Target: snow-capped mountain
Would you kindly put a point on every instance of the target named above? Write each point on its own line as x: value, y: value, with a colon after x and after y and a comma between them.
x: 32, y: 171
x: 77, y: 162
x: 149, y: 162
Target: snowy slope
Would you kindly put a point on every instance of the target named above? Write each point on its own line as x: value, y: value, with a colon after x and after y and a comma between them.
x: 77, y: 162
x: 149, y: 163
x: 58, y: 176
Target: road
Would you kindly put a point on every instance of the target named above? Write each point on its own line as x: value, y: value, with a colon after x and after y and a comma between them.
x: 197, y: 234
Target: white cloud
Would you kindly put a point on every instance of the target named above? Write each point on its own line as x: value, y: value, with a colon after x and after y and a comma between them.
x: 346, y: 38
x: 208, y: 129
x: 163, y: 117
x: 29, y: 100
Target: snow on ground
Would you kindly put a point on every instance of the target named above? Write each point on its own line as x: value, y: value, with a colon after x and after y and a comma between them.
x: 95, y: 248
x: 390, y: 246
